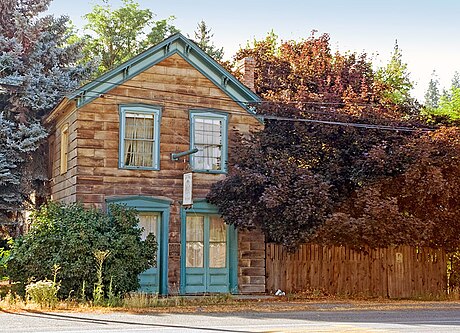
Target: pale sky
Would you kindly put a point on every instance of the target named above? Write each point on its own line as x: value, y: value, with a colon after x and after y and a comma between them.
x: 427, y: 31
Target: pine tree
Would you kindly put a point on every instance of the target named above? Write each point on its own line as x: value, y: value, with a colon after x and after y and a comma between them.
x: 395, y: 76
x: 432, y: 94
x: 203, y: 37
x: 37, y: 66
x: 456, y: 80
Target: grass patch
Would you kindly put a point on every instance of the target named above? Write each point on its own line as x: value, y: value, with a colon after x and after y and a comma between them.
x: 143, y: 300
x: 136, y: 301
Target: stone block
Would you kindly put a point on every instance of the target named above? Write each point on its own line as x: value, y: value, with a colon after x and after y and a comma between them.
x: 244, y: 263
x: 257, y: 280
x: 252, y: 289
x: 258, y: 263
x: 257, y: 245
x: 253, y: 271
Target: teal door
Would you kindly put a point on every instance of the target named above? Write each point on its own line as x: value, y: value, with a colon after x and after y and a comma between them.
x: 150, y: 279
x: 154, y: 218
x: 206, y: 254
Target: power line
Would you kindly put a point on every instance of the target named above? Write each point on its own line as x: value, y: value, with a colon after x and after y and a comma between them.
x: 359, y: 125
x: 262, y: 117
x: 117, y: 84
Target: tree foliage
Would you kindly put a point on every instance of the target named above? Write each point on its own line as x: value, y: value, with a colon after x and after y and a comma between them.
x: 447, y: 105
x: 203, y: 37
x: 291, y: 177
x: 17, y: 142
x: 37, y: 65
x: 396, y: 83
x: 116, y: 35
x: 68, y: 236
x: 417, y: 206
x: 432, y: 94
x: 330, y: 164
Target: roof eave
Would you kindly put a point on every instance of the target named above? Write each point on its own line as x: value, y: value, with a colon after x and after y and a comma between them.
x: 172, y: 45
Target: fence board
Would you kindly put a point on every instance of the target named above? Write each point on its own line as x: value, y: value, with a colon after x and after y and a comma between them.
x: 394, y: 272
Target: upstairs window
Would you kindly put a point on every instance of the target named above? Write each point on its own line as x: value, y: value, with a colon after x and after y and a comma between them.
x: 139, y: 137
x: 209, y: 135
x: 64, y: 148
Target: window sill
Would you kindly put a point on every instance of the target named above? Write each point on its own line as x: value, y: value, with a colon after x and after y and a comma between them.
x: 139, y: 168
x: 211, y: 171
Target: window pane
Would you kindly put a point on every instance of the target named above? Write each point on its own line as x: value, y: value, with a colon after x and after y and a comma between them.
x: 139, y: 139
x: 195, y: 226
x: 217, y: 255
x: 194, y: 257
x: 217, y: 242
x: 218, y: 229
x: 208, y: 140
x: 64, y: 148
x: 194, y: 241
x: 149, y: 223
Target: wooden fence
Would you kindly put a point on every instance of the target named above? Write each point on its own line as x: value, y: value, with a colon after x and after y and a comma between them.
x: 394, y: 272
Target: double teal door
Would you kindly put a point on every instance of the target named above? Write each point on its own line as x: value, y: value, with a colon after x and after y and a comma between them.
x: 207, y: 254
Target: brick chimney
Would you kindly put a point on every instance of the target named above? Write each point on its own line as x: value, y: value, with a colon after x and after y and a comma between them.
x: 247, y: 67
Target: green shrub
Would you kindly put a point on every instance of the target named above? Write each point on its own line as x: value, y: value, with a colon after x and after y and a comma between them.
x: 43, y: 293
x: 68, y: 235
x: 4, y: 256
x: 453, y: 270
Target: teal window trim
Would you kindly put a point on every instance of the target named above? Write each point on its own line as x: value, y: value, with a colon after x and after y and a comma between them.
x: 201, y: 206
x: 146, y: 109
x: 210, y: 114
x: 154, y: 205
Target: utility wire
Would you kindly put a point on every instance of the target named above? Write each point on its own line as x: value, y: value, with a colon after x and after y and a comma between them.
x: 262, y: 117
x: 117, y: 84
x: 107, y: 94
x: 359, y: 125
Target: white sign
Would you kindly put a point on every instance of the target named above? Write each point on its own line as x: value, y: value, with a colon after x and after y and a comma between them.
x: 187, y: 193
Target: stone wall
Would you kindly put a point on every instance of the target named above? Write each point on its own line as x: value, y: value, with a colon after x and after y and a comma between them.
x: 251, y: 262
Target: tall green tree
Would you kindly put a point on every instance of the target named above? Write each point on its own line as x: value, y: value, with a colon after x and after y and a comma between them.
x: 396, y: 82
x: 116, y: 35
x: 449, y: 105
x: 37, y: 66
x: 203, y: 38
x: 448, y: 108
x: 432, y: 94
x: 456, y: 80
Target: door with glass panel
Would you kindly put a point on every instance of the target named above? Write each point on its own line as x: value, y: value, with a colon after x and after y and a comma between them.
x: 206, y: 248
x: 150, y: 279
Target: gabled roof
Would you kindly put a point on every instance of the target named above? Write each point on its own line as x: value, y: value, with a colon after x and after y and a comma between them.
x: 188, y: 50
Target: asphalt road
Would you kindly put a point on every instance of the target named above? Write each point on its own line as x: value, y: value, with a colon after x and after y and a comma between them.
x: 405, y: 320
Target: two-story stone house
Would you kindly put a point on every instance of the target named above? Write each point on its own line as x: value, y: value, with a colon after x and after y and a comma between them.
x: 114, y: 139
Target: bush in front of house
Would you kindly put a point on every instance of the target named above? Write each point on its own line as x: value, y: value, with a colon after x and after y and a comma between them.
x: 4, y: 256
x: 68, y: 235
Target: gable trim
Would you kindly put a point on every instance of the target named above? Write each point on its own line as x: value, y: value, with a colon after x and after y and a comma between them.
x: 176, y: 44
